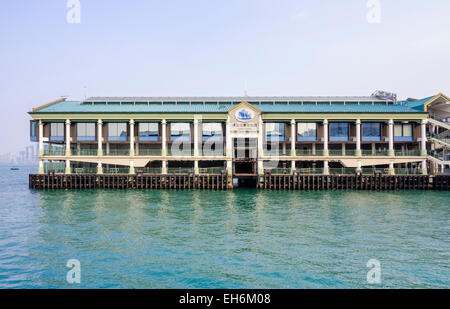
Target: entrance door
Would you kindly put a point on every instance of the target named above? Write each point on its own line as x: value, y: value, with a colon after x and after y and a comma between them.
x: 245, y: 152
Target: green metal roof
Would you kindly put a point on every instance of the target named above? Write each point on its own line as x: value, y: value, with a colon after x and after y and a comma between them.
x: 224, y: 104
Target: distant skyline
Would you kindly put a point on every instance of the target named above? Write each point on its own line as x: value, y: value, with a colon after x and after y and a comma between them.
x: 216, y: 48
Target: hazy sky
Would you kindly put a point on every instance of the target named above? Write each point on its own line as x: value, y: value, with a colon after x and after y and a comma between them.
x: 278, y: 47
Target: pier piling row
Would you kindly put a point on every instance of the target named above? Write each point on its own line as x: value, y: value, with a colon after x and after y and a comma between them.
x: 267, y: 181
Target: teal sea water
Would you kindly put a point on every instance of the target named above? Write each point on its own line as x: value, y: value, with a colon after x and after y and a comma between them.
x: 202, y: 239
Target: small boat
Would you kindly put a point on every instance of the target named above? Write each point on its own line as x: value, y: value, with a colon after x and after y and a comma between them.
x: 14, y: 168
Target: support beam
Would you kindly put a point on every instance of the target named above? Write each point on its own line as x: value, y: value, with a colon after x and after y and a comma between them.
x: 325, y: 137
x: 260, y: 167
x: 423, y: 130
x: 164, y: 140
x: 164, y: 168
x: 41, y: 138
x: 293, y: 137
x: 132, y: 171
x: 358, y: 137
x: 391, y: 138
x: 391, y: 168
x: 229, y: 141
x: 99, y: 168
x: 41, y: 167
x: 359, y: 166
x: 293, y: 168
x: 68, y: 138
x: 424, y: 167
x: 196, y: 152
x: 196, y: 170
x: 230, y: 167
x: 326, y: 169
x: 260, y: 138
x: 68, y: 170
x: 100, y: 137
x: 132, y: 137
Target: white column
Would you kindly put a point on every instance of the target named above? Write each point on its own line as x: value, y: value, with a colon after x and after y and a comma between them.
x: 132, y: 172
x: 293, y: 166
x: 132, y: 138
x: 164, y: 140
x: 41, y: 167
x: 358, y: 137
x: 68, y: 170
x: 41, y: 139
x: 99, y: 168
x: 424, y: 167
x: 374, y: 149
x: 230, y: 167
x: 260, y: 167
x: 229, y: 141
x: 196, y: 170
x: 196, y: 152
x: 325, y: 137
x: 260, y: 137
x: 293, y: 137
x: 314, y: 149
x: 326, y: 169
x: 423, y: 129
x: 164, y: 167
x: 99, y: 137
x: 359, y: 167
x: 391, y: 168
x: 391, y: 137
x: 343, y: 149
x: 67, y: 138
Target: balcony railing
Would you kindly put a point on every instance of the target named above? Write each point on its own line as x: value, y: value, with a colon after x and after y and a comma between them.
x: 212, y: 153
x: 211, y: 170
x: 84, y: 170
x: 380, y: 153
x: 277, y: 152
x: 180, y: 170
x: 59, y: 168
x: 309, y: 152
x: 149, y: 170
x: 84, y: 152
x: 116, y: 170
x: 118, y: 152
x: 407, y: 153
x: 281, y: 171
x: 407, y: 171
x: 180, y: 152
x: 54, y: 151
x: 150, y: 152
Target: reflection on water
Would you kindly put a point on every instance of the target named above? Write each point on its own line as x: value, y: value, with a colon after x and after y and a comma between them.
x: 239, y: 239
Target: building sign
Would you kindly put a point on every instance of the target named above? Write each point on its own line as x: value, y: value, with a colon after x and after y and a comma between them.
x: 244, y: 120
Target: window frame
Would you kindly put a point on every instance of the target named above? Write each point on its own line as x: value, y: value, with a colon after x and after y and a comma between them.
x: 212, y: 137
x: 117, y: 137
x: 59, y: 126
x: 85, y: 137
x: 182, y: 136
x: 306, y: 138
x: 278, y: 125
x: 149, y: 137
x: 374, y: 138
x: 339, y: 138
x: 403, y: 137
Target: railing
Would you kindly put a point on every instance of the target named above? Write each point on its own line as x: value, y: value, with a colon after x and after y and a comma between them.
x: 211, y: 170
x: 59, y: 168
x: 407, y: 153
x: 150, y: 152
x: 84, y: 170
x: 84, y: 152
x: 212, y: 153
x: 180, y: 170
x: 149, y: 170
x: 277, y: 152
x: 118, y: 152
x: 309, y: 152
x: 281, y: 171
x: 365, y: 152
x: 54, y: 151
x: 180, y: 152
x: 319, y: 171
x: 407, y: 171
x: 342, y: 171
x: 116, y: 170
